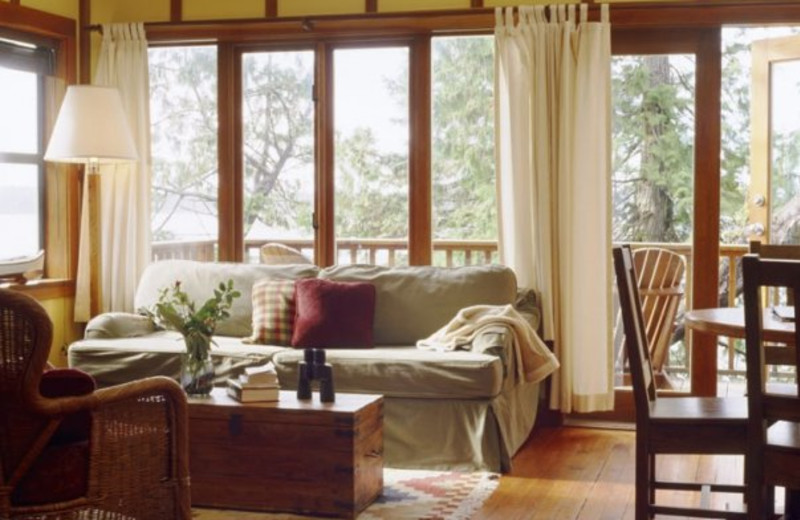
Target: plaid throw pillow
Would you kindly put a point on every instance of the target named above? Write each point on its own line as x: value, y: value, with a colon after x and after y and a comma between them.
x: 273, y: 312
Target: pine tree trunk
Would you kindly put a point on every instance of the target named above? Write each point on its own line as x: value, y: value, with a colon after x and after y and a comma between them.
x: 653, y: 216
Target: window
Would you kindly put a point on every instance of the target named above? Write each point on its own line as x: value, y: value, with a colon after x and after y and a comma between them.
x: 371, y: 155
x: 23, y: 69
x: 371, y: 151
x: 278, y: 149
x: 462, y: 143
x: 653, y: 147
x: 183, y: 118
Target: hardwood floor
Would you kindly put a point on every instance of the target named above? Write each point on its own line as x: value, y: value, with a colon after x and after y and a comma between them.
x: 579, y: 473
x: 573, y: 473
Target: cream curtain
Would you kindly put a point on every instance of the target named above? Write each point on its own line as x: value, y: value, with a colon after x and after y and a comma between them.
x: 553, y: 91
x: 125, y: 189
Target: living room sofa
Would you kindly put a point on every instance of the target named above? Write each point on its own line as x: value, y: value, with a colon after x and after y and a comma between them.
x: 461, y: 409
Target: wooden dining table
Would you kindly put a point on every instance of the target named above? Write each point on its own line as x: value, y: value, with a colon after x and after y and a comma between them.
x: 729, y: 322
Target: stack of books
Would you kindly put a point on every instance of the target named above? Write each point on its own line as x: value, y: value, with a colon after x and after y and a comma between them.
x: 255, y: 384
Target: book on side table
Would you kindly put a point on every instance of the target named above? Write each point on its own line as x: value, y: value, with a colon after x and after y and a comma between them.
x: 255, y: 384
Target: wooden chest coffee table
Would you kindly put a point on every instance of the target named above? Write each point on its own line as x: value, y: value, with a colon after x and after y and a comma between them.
x: 298, y: 456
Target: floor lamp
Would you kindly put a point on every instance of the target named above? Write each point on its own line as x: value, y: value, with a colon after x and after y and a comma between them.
x: 92, y: 129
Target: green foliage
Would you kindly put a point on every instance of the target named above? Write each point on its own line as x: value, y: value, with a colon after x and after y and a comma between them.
x: 653, y: 149
x: 175, y: 310
x: 371, y: 189
x: 463, y: 162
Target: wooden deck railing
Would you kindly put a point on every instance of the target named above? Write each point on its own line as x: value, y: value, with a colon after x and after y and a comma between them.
x: 356, y: 250
x: 468, y: 252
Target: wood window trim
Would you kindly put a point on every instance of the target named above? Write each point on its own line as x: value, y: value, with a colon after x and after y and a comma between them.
x: 49, y: 289
x: 706, y: 13
x: 420, y: 233
x: 62, y: 186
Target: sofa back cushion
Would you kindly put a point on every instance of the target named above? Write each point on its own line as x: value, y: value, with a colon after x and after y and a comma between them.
x: 411, y: 303
x: 199, y: 279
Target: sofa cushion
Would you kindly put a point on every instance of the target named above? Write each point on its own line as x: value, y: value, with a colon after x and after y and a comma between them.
x: 404, y: 372
x: 273, y: 312
x: 199, y: 279
x: 115, y: 361
x: 412, y: 303
x: 333, y: 314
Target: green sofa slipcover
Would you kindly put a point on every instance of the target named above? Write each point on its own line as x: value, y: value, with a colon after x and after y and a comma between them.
x: 463, y: 409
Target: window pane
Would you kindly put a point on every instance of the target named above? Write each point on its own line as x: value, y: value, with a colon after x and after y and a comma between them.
x: 19, y: 210
x: 183, y: 113
x: 19, y: 106
x: 278, y: 119
x: 653, y: 167
x: 653, y: 146
x: 464, y: 207
x: 785, y: 153
x: 735, y: 176
x: 371, y: 159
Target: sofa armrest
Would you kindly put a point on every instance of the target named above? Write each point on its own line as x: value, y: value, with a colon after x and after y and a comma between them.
x: 118, y: 325
x: 494, y: 340
x: 527, y: 305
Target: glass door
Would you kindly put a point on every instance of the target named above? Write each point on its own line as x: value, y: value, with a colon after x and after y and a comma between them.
x: 774, y: 198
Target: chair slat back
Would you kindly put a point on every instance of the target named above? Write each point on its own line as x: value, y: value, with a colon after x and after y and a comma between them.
x: 659, y: 278
x: 633, y: 322
x: 778, y: 252
x: 762, y: 273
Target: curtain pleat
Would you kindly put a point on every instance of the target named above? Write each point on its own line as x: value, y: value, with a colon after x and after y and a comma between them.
x: 124, y: 188
x: 553, y: 118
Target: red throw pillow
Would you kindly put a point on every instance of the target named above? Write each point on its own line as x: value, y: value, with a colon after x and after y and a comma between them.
x: 333, y: 314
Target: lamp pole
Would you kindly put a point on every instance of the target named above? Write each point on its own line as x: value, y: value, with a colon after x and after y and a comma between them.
x: 95, y: 237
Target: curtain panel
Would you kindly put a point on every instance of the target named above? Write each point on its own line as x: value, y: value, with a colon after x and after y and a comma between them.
x: 124, y: 188
x: 553, y: 120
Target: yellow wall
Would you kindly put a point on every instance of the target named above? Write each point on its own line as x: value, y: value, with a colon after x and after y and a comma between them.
x: 67, y: 8
x: 65, y: 330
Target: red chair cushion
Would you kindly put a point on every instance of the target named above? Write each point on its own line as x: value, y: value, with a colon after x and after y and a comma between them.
x: 66, y: 382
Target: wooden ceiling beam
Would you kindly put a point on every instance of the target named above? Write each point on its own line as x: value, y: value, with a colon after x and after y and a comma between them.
x: 176, y: 10
x: 271, y: 8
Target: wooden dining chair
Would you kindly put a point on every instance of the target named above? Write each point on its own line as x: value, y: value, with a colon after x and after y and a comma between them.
x: 679, y: 425
x: 774, y: 427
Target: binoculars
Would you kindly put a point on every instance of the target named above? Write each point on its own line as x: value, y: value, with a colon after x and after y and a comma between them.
x: 314, y: 368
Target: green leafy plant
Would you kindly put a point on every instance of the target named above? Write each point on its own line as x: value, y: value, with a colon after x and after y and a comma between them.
x: 175, y: 310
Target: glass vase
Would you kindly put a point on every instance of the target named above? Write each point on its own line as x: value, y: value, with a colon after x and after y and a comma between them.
x: 197, y: 368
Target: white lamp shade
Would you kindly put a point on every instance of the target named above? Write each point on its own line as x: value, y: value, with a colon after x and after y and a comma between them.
x: 91, y: 126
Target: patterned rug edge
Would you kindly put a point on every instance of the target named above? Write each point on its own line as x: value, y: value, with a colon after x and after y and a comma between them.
x: 408, y: 494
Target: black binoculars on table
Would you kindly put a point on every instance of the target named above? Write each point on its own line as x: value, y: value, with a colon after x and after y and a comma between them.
x: 314, y: 368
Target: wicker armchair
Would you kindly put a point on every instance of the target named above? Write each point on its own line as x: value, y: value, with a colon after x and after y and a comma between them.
x: 119, y: 452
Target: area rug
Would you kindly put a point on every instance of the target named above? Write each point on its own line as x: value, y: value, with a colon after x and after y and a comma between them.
x: 407, y: 495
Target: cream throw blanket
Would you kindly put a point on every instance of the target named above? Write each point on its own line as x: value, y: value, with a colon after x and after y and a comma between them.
x: 533, y: 359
